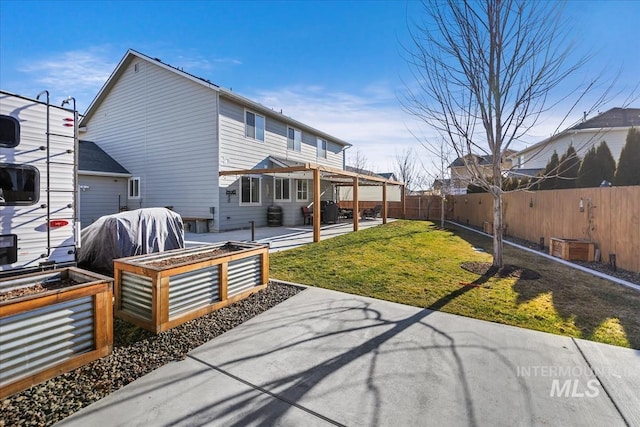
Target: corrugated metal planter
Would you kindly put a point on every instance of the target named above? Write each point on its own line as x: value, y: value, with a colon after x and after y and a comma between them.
x: 160, y: 291
x: 45, y: 334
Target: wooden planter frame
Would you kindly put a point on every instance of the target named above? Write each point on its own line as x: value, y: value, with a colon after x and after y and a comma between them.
x: 572, y: 249
x: 143, y: 292
x: 53, y: 317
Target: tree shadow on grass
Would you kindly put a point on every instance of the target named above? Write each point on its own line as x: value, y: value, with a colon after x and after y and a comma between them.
x: 586, y: 300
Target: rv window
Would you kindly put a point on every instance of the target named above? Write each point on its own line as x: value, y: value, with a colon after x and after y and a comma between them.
x: 9, y: 131
x: 18, y: 185
x: 8, y: 249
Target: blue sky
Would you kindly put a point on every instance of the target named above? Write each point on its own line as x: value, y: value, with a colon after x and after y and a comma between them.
x: 336, y: 65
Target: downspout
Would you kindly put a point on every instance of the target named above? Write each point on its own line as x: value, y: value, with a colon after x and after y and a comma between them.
x: 48, y: 174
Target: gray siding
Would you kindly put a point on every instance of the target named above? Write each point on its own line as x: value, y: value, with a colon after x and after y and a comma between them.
x: 162, y: 127
x: 239, y: 152
x: 104, y: 196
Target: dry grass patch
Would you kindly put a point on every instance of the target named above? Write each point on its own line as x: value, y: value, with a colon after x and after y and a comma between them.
x: 415, y: 263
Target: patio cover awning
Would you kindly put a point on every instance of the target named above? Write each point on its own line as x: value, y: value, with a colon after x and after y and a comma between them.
x: 340, y: 177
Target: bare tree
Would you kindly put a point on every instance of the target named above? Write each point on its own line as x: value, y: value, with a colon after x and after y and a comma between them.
x: 484, y: 71
x: 407, y: 169
x: 359, y: 162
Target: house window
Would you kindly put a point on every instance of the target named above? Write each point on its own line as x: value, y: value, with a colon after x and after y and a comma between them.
x: 250, y: 189
x: 520, y: 161
x: 282, y: 189
x: 254, y: 126
x: 9, y: 132
x: 294, y: 139
x: 322, y: 148
x: 19, y: 185
x: 302, y: 190
x: 134, y: 188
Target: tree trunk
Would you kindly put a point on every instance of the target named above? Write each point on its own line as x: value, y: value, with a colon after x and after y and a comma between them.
x: 442, y: 206
x: 497, y: 227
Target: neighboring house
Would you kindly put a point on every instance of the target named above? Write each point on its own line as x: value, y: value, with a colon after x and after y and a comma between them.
x: 370, y: 193
x: 102, y: 183
x: 176, y: 132
x: 462, y: 167
x: 611, y: 126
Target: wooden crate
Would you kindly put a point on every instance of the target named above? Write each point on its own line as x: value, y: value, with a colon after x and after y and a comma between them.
x: 188, y: 285
x: 572, y: 249
x: 79, y: 327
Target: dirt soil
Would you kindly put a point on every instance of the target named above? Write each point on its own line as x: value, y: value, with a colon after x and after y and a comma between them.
x: 36, y: 289
x: 180, y: 259
x: 508, y: 270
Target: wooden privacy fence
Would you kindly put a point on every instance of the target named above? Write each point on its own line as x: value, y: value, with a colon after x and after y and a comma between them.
x: 609, y: 217
x: 416, y: 207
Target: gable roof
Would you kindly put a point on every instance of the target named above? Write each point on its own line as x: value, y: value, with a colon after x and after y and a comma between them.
x: 131, y: 55
x: 613, y: 118
x: 92, y: 158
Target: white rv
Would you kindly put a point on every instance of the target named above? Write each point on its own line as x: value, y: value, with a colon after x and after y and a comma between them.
x: 38, y: 175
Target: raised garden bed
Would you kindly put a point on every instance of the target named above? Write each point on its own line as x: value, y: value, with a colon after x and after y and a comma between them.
x: 160, y: 291
x: 50, y: 323
x: 572, y: 249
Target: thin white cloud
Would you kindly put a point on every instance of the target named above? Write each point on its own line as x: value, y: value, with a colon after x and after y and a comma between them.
x: 78, y: 73
x: 373, y: 120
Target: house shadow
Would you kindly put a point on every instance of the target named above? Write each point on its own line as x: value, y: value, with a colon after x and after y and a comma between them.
x: 587, y: 301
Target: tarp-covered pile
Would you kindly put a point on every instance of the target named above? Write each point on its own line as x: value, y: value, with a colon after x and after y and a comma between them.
x: 138, y: 232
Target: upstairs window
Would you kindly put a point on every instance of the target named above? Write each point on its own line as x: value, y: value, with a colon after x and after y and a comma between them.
x: 282, y: 189
x: 322, y: 148
x: 9, y: 131
x: 254, y: 126
x: 250, y: 190
x: 134, y: 188
x: 294, y: 139
x: 19, y: 185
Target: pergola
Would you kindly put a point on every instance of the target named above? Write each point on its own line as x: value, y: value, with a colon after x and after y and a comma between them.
x: 336, y: 176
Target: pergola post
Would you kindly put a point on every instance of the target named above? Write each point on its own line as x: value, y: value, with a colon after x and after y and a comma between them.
x: 356, y: 212
x: 316, y: 205
x: 384, y: 203
x: 403, y: 200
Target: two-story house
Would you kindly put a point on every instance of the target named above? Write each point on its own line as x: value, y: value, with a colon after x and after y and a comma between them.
x: 465, y: 170
x: 611, y: 126
x: 178, y: 135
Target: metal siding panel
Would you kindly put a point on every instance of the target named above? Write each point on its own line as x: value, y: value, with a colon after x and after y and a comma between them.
x: 44, y: 337
x: 136, y: 295
x: 244, y: 274
x: 194, y: 289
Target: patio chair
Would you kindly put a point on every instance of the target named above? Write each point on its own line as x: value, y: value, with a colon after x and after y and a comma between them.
x: 307, y: 215
x: 372, y: 213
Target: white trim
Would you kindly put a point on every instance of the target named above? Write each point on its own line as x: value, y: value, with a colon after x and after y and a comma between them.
x: 259, y: 202
x: 111, y: 174
x: 275, y: 194
x: 297, y: 149
x: 264, y: 129
x: 139, y: 181
x: 306, y: 181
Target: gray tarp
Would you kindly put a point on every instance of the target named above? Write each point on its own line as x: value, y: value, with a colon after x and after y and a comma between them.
x: 138, y: 232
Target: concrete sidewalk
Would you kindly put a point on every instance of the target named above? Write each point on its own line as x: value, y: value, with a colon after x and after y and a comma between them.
x: 324, y: 357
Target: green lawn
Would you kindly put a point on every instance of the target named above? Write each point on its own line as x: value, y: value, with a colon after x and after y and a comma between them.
x: 415, y: 263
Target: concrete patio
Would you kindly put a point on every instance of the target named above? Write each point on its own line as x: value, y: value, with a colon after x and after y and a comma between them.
x: 280, y: 238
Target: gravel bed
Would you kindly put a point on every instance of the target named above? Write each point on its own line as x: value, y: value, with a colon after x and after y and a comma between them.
x: 136, y: 352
